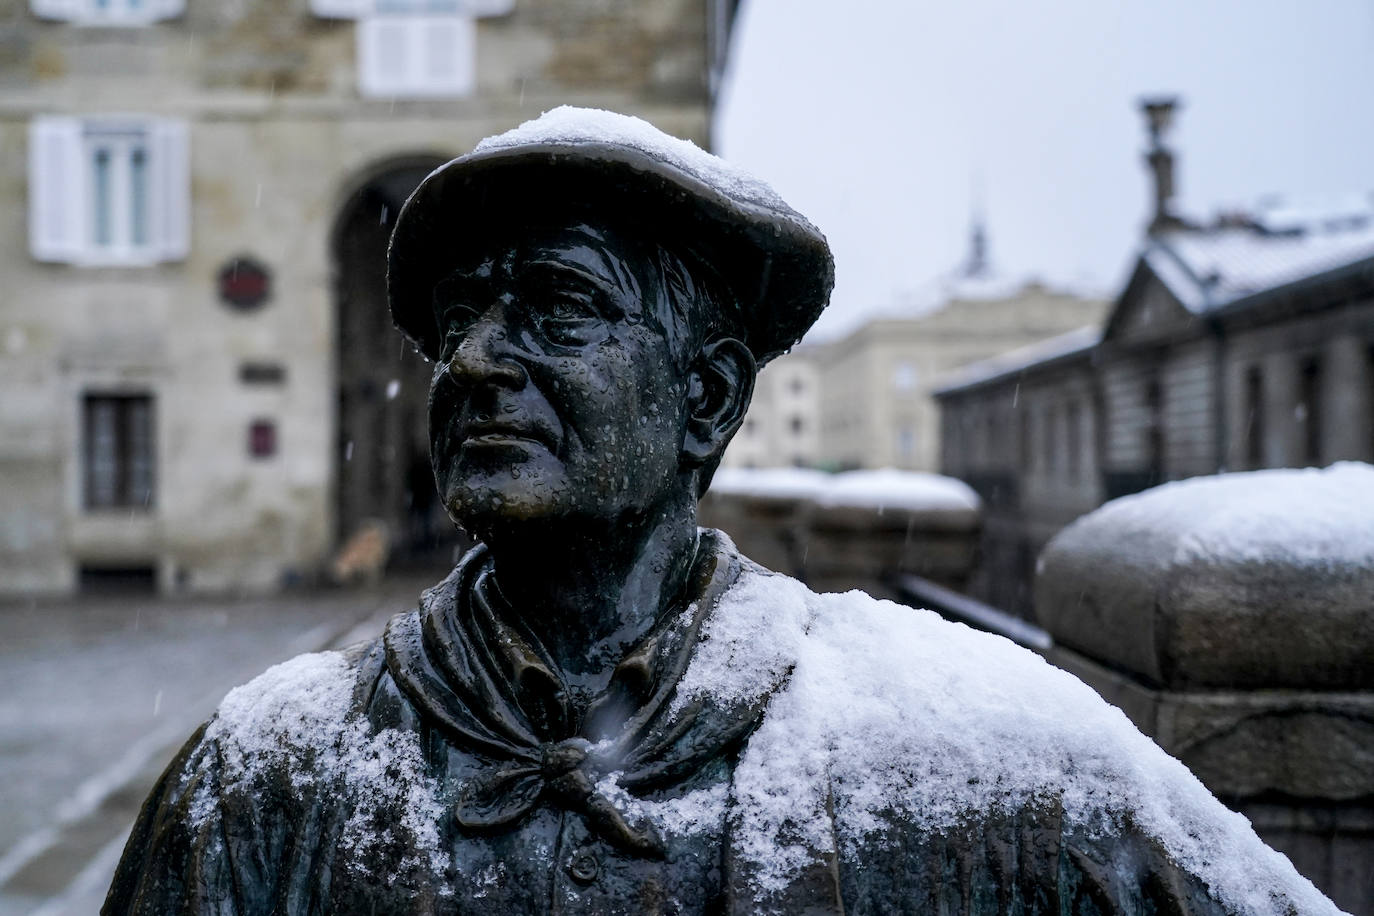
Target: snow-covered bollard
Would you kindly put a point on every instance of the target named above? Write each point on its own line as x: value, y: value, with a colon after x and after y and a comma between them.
x: 1232, y: 617
x: 849, y: 530
x: 765, y: 512
x: 867, y: 525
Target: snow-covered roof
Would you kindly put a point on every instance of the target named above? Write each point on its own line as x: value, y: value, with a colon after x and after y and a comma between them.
x: 1079, y: 340
x: 1208, y: 270
x: 887, y: 488
x: 1321, y: 213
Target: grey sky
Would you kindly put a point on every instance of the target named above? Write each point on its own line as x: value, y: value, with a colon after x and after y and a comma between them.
x: 876, y: 119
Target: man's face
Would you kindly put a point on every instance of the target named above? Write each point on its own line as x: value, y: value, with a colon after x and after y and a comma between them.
x: 557, y: 394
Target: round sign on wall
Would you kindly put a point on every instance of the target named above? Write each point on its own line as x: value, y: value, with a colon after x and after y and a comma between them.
x: 244, y: 283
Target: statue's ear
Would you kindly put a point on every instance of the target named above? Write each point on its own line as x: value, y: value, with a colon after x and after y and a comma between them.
x: 720, y: 384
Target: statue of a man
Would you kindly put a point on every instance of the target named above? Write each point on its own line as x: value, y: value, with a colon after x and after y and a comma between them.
x: 605, y: 709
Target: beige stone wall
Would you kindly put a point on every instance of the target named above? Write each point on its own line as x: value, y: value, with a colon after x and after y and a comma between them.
x: 876, y: 406
x: 279, y: 138
x: 782, y: 427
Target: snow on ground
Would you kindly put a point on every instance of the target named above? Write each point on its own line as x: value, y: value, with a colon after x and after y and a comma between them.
x: 886, y: 488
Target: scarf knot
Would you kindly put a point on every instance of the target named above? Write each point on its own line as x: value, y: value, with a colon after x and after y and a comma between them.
x: 506, y: 793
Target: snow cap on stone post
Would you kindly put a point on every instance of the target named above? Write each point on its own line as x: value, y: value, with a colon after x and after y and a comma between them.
x: 777, y: 264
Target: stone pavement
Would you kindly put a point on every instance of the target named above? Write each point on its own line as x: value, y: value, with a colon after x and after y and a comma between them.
x: 96, y: 695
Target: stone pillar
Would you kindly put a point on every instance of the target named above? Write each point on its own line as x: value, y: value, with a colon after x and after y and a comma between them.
x: 1346, y: 391
x: 853, y: 530
x: 1232, y: 619
x: 1282, y: 432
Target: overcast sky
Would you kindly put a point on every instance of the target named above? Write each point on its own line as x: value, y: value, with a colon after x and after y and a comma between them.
x: 879, y: 119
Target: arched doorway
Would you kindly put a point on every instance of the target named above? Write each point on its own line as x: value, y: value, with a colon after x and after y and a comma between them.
x: 383, y: 452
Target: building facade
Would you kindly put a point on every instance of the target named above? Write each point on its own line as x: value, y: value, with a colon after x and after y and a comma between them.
x: 1241, y: 346
x: 202, y: 388
x: 782, y: 427
x: 876, y: 405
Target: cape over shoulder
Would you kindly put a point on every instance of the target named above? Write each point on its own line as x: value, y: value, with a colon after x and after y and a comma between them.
x: 900, y: 730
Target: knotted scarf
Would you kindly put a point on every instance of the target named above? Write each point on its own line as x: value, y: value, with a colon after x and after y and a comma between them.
x: 477, y: 680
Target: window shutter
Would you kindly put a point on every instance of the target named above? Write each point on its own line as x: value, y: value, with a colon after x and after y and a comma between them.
x: 171, y: 169
x: 385, y: 55
x: 56, y: 9
x: 57, y: 189
x: 416, y: 56
x: 481, y: 8
x: 166, y: 9
x: 447, y: 60
x: 340, y: 9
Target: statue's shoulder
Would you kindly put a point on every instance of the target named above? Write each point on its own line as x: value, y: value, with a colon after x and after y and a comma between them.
x: 900, y: 730
x: 299, y: 703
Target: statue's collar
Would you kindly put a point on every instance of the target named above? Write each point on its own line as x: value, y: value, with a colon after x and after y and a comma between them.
x: 480, y: 681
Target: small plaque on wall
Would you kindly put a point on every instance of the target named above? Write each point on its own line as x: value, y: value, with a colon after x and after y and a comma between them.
x: 262, y: 439
x: 244, y: 283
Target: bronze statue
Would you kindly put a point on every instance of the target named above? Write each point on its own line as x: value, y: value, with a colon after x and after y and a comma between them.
x: 605, y: 709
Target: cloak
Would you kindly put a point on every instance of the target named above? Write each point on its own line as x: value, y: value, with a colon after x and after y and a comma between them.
x: 762, y: 749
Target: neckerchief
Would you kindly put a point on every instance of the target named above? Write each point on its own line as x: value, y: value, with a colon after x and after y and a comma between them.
x: 481, y: 681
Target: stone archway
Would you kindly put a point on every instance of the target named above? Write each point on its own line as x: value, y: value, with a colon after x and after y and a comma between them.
x: 383, y: 455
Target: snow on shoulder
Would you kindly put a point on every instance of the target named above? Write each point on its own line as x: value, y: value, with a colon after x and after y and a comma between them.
x: 566, y: 125
x: 294, y: 722
x: 894, y: 714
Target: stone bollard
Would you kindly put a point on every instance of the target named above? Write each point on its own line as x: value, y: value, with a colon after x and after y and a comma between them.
x: 1232, y: 618
x: 838, y: 532
x: 765, y: 513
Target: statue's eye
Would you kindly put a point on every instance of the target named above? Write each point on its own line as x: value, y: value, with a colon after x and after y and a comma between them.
x: 570, y: 317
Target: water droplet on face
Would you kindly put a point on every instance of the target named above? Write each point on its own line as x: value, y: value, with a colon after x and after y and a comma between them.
x: 393, y: 388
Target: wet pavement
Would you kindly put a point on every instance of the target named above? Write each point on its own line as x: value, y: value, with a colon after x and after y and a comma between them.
x: 97, y: 694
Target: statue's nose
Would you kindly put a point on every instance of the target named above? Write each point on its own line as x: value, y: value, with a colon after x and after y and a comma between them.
x: 487, y: 353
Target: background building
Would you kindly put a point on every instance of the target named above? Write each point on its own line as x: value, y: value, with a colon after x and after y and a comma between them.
x: 876, y: 383
x: 202, y: 388
x: 1245, y: 344
x: 782, y: 428
x: 864, y: 400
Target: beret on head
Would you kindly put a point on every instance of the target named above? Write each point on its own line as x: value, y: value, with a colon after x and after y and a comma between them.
x: 775, y: 262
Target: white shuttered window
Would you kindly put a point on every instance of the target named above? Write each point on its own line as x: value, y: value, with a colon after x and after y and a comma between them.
x: 411, y: 56
x: 108, y: 190
x: 353, y: 9
x: 108, y: 12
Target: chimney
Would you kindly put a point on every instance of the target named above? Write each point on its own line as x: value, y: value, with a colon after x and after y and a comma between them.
x: 1159, y: 115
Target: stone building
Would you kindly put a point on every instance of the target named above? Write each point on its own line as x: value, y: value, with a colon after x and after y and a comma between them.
x: 863, y: 401
x: 876, y: 405
x: 782, y: 428
x: 1242, y: 345
x: 202, y: 389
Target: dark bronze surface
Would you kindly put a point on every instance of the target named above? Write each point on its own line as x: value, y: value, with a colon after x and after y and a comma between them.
x: 588, y: 377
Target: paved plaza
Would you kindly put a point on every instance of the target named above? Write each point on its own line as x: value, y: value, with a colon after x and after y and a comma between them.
x: 96, y: 694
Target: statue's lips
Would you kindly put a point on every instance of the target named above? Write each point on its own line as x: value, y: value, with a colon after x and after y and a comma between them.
x: 497, y: 434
